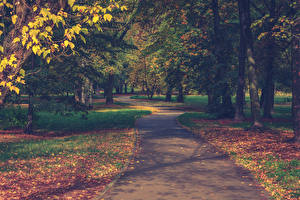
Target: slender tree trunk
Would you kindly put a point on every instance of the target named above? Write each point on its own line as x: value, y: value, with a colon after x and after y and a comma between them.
x: 262, y: 97
x: 132, y: 90
x: 126, y: 88
x: 121, y: 88
x: 180, y: 97
x: 296, y: 79
x: 83, y: 93
x: 169, y: 94
x: 117, y: 90
x: 240, y: 94
x: 29, y: 125
x: 244, y: 5
x: 109, y: 89
x: 90, y: 96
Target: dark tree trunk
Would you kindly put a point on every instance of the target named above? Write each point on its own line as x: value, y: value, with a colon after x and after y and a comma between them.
x: 221, y: 91
x: 109, y: 89
x: 121, y: 88
x: 180, y: 96
x: 132, y: 90
x: 117, y: 90
x: 269, y: 83
x: 240, y: 94
x: 169, y: 94
x: 262, y: 97
x: 296, y: 79
x: 253, y: 84
x: 126, y: 88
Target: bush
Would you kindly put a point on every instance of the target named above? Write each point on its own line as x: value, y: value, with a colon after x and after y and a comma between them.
x: 13, y: 117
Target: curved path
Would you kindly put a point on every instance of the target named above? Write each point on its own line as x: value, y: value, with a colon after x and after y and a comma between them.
x: 173, y: 164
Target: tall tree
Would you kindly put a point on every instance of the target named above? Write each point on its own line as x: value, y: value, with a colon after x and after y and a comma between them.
x: 240, y: 94
x: 244, y: 6
x: 296, y: 76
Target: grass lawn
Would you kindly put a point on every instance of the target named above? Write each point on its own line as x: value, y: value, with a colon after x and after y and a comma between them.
x: 74, y: 156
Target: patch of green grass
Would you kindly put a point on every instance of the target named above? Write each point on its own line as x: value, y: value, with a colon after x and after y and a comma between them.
x: 46, y: 121
x: 186, y: 119
x: 115, y: 103
x: 124, y: 118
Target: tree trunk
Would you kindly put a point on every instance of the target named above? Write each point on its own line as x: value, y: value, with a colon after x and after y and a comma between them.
x: 262, y: 97
x: 169, y: 94
x: 240, y: 94
x: 269, y: 83
x: 83, y: 93
x: 90, y: 95
x: 29, y: 126
x: 253, y: 84
x: 180, y: 97
x: 132, y: 90
x: 296, y: 79
x: 117, y: 90
x: 121, y: 88
x: 109, y: 89
x: 126, y: 88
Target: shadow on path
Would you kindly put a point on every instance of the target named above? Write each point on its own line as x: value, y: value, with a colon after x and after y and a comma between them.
x: 173, y: 164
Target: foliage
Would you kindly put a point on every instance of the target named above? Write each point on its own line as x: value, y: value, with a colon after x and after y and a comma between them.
x: 46, y: 29
x: 12, y: 117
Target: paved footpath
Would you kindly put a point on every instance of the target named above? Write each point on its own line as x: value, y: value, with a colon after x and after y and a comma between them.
x: 173, y: 164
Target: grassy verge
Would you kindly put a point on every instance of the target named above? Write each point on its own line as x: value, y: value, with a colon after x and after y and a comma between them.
x: 201, y: 100
x: 116, y: 119
x: 73, y: 122
x: 275, y: 163
x: 73, y: 167
x: 75, y: 157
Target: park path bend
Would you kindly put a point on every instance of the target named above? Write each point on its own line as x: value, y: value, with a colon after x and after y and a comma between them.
x: 174, y: 165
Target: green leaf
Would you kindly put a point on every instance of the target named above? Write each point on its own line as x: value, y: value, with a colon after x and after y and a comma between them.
x: 83, y: 39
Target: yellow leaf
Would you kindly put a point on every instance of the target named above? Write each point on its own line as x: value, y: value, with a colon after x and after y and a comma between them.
x: 107, y: 17
x: 1, y: 49
x: 22, y: 72
x: 34, y: 8
x: 123, y: 8
x: 16, y: 40
x: 48, y: 29
x: 17, y: 90
x: 95, y: 18
x: 25, y: 29
x: 48, y: 60
x: 14, y: 19
x: 35, y: 49
x: 66, y: 43
x: 2, y: 24
x: 71, y: 2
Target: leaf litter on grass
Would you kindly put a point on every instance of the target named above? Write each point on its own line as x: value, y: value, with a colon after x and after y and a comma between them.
x: 273, y: 161
x: 81, y: 169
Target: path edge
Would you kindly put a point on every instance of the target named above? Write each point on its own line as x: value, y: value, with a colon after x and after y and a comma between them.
x: 124, y: 169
